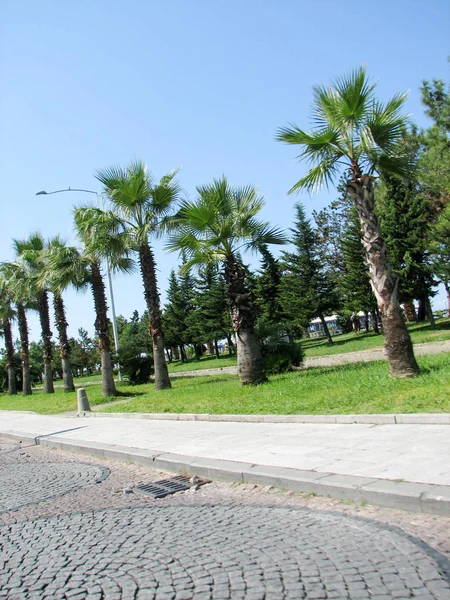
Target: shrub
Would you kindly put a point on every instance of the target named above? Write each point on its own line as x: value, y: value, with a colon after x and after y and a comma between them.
x: 279, y: 352
x: 137, y: 369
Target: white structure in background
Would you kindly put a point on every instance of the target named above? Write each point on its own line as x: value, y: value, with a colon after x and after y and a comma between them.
x: 316, y: 327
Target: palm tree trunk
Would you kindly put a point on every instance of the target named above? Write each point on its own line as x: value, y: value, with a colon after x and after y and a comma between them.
x: 64, y: 346
x: 47, y: 354
x: 175, y: 353
x: 216, y: 349
x: 24, y: 349
x: 9, y: 348
x: 410, y: 311
x: 447, y: 289
x: 147, y: 264
x: 325, y: 328
x: 397, y: 341
x: 101, y: 328
x: 251, y: 366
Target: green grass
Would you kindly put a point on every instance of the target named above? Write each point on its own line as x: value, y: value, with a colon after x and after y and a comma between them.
x: 356, y: 388
x: 349, y: 342
x: 207, y: 362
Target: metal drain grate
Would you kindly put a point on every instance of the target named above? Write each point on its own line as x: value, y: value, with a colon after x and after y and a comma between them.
x: 165, y: 487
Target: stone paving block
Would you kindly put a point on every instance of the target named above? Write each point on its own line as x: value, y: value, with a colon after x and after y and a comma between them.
x: 437, y: 500
x: 423, y: 419
x: 291, y: 479
x: 177, y: 463
x: 376, y: 419
x: 396, y: 494
x: 226, y: 470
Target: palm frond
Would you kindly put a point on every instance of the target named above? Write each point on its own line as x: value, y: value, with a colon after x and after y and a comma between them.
x: 323, y: 174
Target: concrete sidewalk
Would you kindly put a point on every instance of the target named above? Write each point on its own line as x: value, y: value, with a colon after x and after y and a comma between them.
x: 404, y: 466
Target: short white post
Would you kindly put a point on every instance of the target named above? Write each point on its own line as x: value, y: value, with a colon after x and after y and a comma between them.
x: 83, y: 402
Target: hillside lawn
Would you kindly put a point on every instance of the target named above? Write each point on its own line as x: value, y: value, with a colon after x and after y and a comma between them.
x: 355, y: 388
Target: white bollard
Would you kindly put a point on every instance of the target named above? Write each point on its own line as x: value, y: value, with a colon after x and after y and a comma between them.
x: 83, y: 402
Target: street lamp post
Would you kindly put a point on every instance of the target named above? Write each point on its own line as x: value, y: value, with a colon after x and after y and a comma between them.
x: 108, y: 271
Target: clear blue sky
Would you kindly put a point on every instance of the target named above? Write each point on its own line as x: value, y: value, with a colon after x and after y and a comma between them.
x: 198, y: 83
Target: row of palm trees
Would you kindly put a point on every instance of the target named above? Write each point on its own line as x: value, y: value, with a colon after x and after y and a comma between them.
x: 354, y: 131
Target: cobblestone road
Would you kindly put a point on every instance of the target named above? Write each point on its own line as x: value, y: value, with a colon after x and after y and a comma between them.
x: 222, y: 541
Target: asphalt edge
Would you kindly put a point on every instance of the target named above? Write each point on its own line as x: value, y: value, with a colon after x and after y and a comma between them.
x: 402, y: 495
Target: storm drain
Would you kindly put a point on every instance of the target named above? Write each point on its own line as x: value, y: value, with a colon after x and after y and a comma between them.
x: 165, y: 487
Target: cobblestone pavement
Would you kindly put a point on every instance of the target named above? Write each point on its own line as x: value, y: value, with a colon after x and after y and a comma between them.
x: 222, y: 541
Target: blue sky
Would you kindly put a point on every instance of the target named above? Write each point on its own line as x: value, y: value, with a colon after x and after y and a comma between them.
x: 198, y: 84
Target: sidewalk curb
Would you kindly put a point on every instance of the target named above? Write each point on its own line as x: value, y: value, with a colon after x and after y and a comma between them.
x: 375, y: 419
x: 402, y: 495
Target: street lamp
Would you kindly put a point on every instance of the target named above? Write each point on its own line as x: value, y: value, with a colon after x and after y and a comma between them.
x: 111, y: 294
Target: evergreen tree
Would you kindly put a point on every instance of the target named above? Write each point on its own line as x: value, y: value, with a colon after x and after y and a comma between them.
x: 354, y: 285
x: 212, y: 311
x: 331, y: 225
x: 306, y: 291
x: 174, y: 317
x: 266, y: 292
x: 405, y: 217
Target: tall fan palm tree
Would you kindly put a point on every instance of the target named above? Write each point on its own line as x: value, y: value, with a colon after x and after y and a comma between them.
x: 141, y: 204
x: 7, y: 314
x: 356, y: 132
x: 70, y: 265
x: 30, y: 252
x: 215, y: 228
x: 50, y: 280
x: 17, y: 279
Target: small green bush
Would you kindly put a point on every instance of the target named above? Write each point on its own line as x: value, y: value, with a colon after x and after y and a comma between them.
x: 279, y: 352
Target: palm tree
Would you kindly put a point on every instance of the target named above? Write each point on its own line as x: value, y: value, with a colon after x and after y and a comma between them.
x: 6, y: 316
x: 70, y: 265
x: 356, y: 132
x: 30, y: 253
x: 19, y: 289
x: 215, y: 229
x: 141, y: 205
x: 55, y: 248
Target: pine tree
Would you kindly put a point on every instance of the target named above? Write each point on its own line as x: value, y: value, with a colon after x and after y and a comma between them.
x: 266, y: 293
x: 405, y: 215
x: 331, y: 225
x: 306, y: 290
x: 354, y: 285
x: 212, y: 313
x: 174, y: 317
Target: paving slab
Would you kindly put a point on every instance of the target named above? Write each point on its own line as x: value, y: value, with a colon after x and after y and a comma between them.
x: 393, y: 465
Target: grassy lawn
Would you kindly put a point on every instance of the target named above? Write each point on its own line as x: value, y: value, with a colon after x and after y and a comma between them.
x: 356, y: 388
x: 349, y: 342
x: 207, y: 362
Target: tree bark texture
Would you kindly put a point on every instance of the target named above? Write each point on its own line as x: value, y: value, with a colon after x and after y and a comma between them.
x: 24, y: 349
x: 101, y: 328
x: 447, y: 289
x: 410, y: 312
x: 47, y: 354
x: 398, y: 346
x: 251, y: 366
x: 9, y: 355
x: 148, y: 271
x: 64, y: 346
x: 325, y: 328
x: 422, y: 312
x: 175, y: 353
